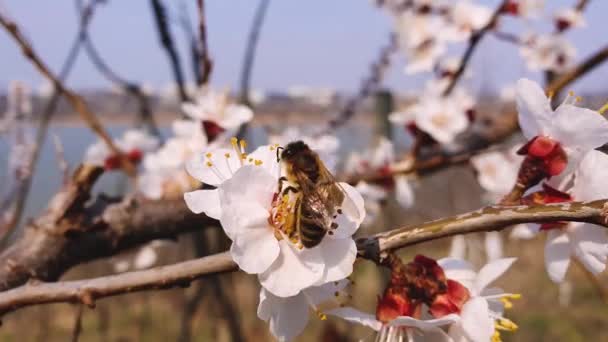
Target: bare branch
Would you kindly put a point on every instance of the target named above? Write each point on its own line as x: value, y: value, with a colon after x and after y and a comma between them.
x: 164, y: 34
x: 473, y: 41
x: 372, y: 248
x: 252, y: 43
x: 205, y: 65
x: 579, y: 71
x: 74, y: 99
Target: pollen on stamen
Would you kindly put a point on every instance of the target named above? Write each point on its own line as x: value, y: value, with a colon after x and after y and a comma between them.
x: 321, y: 315
x: 603, y: 109
x: 209, y: 164
x: 227, y: 155
x: 244, y: 156
x: 209, y: 155
x: 258, y: 162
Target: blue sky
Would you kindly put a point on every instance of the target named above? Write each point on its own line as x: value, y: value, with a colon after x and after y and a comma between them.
x: 304, y: 42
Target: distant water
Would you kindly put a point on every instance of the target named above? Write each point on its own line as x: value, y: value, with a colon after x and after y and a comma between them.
x: 76, y: 139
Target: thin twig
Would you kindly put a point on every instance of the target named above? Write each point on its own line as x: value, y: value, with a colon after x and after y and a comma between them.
x: 589, y: 64
x: 252, y: 43
x: 473, y: 42
x: 373, y: 248
x: 74, y: 99
x: 205, y: 65
x: 166, y: 40
x: 130, y: 87
x: 77, y: 323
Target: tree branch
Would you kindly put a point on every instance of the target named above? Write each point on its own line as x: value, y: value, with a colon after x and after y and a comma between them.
x: 372, y: 248
x: 205, y: 65
x: 473, y: 41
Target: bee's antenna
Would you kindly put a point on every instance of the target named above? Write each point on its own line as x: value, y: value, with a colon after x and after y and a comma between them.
x: 278, y: 150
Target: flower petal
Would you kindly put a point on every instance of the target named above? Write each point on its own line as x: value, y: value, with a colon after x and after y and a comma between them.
x: 255, y: 249
x: 213, y: 167
x: 458, y: 270
x: 293, y: 270
x: 237, y: 218
x: 476, y: 322
x: 268, y: 156
x: 235, y: 115
x: 354, y: 315
x: 288, y: 316
x: 557, y: 255
x: 204, y: 201
x: 426, y: 324
x: 533, y: 107
x: 458, y: 247
x: 339, y: 256
x: 493, y: 245
x: 249, y: 184
x: 490, y: 272
x: 353, y: 213
x: 403, y: 192
x: 591, y: 247
x: 570, y: 121
x: 524, y: 231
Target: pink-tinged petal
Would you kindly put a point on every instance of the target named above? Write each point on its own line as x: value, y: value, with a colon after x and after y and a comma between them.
x: 320, y: 294
x: 475, y: 319
x: 590, y: 182
x: 235, y: 115
x: 204, y: 201
x: 151, y: 185
x: 255, y: 249
x: 591, y: 247
x: 404, y: 194
x: 458, y: 270
x: 192, y: 110
x: 493, y: 245
x: 456, y: 333
x: 533, y: 107
x: 288, y: 316
x: 293, y: 270
x: 241, y: 217
x: 557, y: 254
x: 249, y: 184
x: 580, y: 129
x: 146, y: 257
x: 354, y: 315
x: 216, y: 169
x: 458, y: 247
x: 427, y: 324
x: 524, y: 231
x: 339, y: 256
x: 490, y: 272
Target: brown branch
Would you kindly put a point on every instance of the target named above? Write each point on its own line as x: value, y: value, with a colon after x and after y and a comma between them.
x: 71, y: 231
x: 205, y: 65
x: 372, y: 248
x: 166, y: 40
x: 252, y: 43
x: 473, y: 42
x: 74, y: 99
x: 579, y: 71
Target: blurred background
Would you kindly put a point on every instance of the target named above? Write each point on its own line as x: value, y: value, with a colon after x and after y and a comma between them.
x: 311, y: 59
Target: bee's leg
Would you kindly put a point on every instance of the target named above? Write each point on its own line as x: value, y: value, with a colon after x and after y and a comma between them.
x: 282, y: 179
x: 290, y: 188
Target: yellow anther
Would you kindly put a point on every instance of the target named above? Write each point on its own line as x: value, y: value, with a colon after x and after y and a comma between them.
x: 321, y: 315
x: 506, y: 325
x: 506, y: 303
x: 210, y: 164
x: 550, y: 94
x: 513, y: 296
x: 570, y: 93
x: 243, y: 144
x: 578, y: 99
x: 209, y: 155
x: 603, y: 109
x: 271, y: 148
x: 227, y: 155
x: 258, y: 162
x: 244, y: 156
x: 250, y: 160
x: 496, y: 336
x: 234, y: 141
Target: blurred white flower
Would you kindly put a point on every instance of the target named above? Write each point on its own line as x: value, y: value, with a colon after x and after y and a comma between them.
x: 548, y: 52
x: 586, y: 242
x: 422, y: 39
x: 217, y: 113
x: 134, y: 143
x: 464, y: 18
x: 497, y: 171
x: 566, y: 18
x: 146, y: 257
x: 524, y: 8
x: 288, y: 316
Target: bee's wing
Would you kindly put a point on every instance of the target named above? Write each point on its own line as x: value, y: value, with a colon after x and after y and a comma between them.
x: 340, y: 196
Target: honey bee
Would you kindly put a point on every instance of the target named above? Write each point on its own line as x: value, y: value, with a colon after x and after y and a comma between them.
x: 318, y: 196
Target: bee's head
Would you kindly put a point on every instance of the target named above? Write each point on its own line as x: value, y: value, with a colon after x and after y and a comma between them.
x: 293, y: 149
